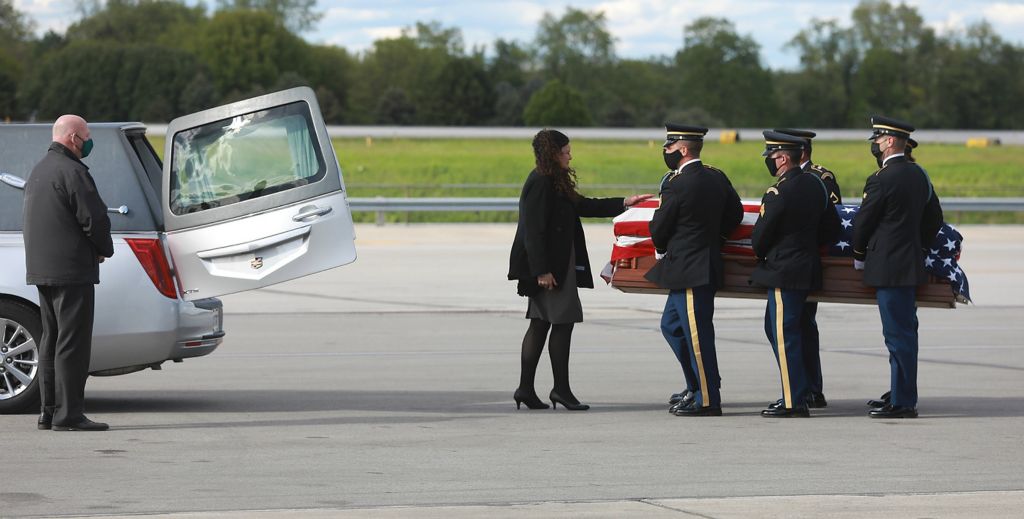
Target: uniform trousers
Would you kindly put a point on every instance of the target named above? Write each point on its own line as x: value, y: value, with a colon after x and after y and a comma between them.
x: 811, y: 347
x: 65, y: 348
x: 674, y: 330
x: 898, y: 308
x: 689, y: 314
x: 782, y: 325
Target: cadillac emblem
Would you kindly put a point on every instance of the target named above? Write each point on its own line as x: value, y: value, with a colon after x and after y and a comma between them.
x: 256, y: 262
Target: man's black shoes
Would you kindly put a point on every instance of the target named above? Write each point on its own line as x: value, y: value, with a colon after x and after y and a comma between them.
x: 84, y: 424
x: 882, y: 400
x: 778, y: 411
x: 692, y: 409
x: 816, y: 400
x: 893, y: 411
x: 680, y: 400
x: 686, y: 397
x: 45, y: 421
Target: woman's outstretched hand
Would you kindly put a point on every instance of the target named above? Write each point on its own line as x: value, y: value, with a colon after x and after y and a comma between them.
x: 636, y: 199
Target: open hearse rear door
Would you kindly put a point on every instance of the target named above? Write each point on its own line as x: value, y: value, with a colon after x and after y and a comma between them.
x: 253, y: 195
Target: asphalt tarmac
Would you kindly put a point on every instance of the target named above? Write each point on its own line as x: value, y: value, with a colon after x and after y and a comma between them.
x: 384, y: 389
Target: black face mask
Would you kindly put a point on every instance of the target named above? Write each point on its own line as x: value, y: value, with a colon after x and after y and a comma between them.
x: 672, y: 159
x: 876, y: 150
x: 772, y: 168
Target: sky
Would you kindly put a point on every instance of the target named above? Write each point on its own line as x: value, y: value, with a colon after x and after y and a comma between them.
x: 641, y: 28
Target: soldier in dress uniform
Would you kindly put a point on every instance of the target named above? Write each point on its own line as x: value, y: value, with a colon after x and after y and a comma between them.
x: 899, y: 216
x: 797, y: 217
x: 911, y: 144
x: 808, y: 319
x: 699, y: 209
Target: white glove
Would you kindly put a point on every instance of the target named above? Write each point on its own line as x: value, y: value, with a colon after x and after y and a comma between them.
x: 858, y: 264
x: 659, y: 255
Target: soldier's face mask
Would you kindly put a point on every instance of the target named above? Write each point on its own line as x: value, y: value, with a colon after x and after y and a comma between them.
x: 876, y: 150
x: 672, y: 159
x: 771, y: 162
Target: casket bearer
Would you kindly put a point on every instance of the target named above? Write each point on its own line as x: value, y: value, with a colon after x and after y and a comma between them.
x: 699, y: 209
x: 809, y: 330
x: 899, y: 215
x: 797, y: 217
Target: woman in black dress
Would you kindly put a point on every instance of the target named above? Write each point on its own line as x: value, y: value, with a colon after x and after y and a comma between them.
x: 549, y: 260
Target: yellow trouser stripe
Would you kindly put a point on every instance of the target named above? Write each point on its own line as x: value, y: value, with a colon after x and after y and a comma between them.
x: 780, y: 345
x: 696, y: 347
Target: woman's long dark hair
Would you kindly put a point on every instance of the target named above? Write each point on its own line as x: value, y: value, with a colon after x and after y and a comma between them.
x: 547, y: 144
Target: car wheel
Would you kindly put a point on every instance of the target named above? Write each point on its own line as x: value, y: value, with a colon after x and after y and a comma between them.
x: 20, y: 330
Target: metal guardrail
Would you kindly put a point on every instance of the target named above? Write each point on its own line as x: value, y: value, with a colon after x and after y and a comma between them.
x: 382, y: 205
x: 924, y: 136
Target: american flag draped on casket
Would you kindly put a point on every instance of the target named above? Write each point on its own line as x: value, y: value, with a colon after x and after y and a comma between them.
x: 633, y: 256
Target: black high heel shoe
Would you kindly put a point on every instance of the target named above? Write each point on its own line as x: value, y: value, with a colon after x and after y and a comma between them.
x: 532, y: 401
x: 558, y: 399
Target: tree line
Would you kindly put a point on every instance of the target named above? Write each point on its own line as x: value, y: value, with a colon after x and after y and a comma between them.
x: 154, y: 60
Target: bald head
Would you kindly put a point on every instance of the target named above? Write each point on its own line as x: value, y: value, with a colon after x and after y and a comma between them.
x: 71, y: 131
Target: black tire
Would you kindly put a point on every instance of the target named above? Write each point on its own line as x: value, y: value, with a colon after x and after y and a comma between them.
x: 19, y: 324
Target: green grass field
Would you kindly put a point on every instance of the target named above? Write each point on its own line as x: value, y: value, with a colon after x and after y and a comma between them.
x: 473, y: 168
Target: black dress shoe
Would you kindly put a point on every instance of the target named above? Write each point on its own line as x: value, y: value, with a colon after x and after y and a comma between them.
x: 686, y: 400
x: 45, y: 421
x: 893, y: 411
x: 882, y: 400
x: 569, y: 403
x: 692, y: 409
x: 776, y: 404
x: 84, y: 424
x: 786, y: 412
x: 816, y: 400
x: 531, y: 399
x: 685, y: 396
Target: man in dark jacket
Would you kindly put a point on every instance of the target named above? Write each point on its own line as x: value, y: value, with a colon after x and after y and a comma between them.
x: 699, y: 209
x: 808, y: 320
x: 797, y: 217
x: 898, y: 218
x: 67, y: 236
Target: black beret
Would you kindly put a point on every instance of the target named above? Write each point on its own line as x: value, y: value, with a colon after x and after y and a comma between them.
x: 682, y: 132
x: 774, y: 141
x: 888, y: 126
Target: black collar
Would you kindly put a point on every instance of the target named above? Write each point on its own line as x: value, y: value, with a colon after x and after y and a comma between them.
x: 793, y: 171
x: 62, y: 149
x: 696, y: 165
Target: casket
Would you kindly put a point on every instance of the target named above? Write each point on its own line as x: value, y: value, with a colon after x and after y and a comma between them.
x: 633, y: 256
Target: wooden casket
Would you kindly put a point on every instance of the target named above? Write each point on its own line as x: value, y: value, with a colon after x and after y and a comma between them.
x: 841, y: 283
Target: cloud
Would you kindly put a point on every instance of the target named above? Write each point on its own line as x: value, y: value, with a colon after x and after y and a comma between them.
x: 1007, y: 19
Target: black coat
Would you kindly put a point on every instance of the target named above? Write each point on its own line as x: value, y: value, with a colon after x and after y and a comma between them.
x: 699, y: 209
x: 549, y: 223
x: 899, y: 217
x: 65, y: 222
x: 797, y: 218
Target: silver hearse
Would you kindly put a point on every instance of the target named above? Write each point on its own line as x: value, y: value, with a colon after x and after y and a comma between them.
x: 250, y: 195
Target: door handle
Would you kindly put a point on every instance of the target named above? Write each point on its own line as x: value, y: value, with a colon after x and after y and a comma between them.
x: 311, y: 211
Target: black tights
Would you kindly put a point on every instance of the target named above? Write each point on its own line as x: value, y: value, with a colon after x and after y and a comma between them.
x: 558, y: 350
